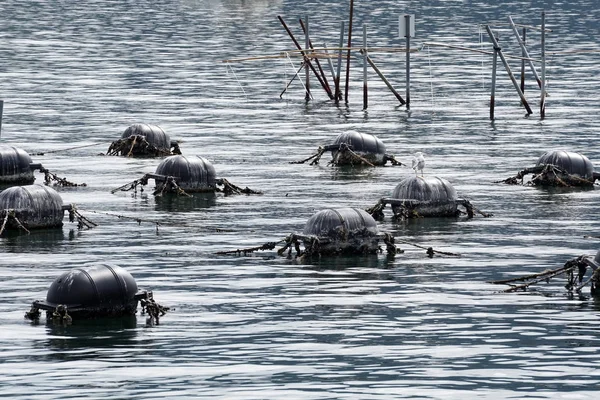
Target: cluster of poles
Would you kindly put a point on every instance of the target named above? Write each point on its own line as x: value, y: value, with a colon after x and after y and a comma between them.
x: 311, y: 56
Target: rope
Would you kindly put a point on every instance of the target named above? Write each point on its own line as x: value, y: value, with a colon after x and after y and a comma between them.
x: 82, y: 222
x: 248, y: 250
x: 236, y: 79
x: 153, y: 309
x: 229, y: 188
x: 138, y: 144
x: 67, y: 149
x: 49, y: 177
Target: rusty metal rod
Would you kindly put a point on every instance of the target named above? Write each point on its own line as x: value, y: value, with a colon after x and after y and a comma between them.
x: 493, y: 95
x: 338, y: 94
x: 543, y: 87
x: 384, y: 79
x: 348, y: 54
x: 365, y: 55
x: 310, y: 45
x: 304, y: 53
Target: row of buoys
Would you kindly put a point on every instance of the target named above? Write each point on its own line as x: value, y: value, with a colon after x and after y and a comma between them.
x: 110, y: 290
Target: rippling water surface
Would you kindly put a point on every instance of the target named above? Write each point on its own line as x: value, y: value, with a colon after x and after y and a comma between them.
x: 74, y: 75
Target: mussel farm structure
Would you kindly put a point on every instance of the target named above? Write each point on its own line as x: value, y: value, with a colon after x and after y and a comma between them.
x: 94, y: 291
x: 428, y: 196
x: 354, y: 148
x: 35, y: 207
x: 559, y: 168
x: 144, y: 140
x: 182, y: 174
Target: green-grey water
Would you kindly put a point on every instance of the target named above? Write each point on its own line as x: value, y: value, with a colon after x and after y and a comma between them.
x: 73, y: 76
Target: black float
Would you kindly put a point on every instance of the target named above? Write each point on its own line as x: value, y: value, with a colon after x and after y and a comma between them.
x: 559, y: 168
x: 418, y: 196
x: 144, y: 140
x: 94, y: 291
x: 34, y: 207
x: 16, y: 168
x: 180, y: 174
x: 354, y: 148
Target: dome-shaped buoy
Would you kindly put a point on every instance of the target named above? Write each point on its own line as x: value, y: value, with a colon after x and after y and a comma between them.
x: 340, y: 223
x: 31, y: 206
x: 428, y: 196
x: 424, y: 196
x: 575, y: 164
x: 192, y: 174
x: 559, y: 168
x: 366, y: 146
x: 339, y: 231
x: 354, y: 148
x: 15, y: 166
x: 144, y: 140
x: 90, y: 292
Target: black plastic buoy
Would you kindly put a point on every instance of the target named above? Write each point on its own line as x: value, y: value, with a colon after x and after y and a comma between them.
x: 342, y: 230
x: 35, y: 206
x: 366, y: 145
x: 192, y: 174
x: 89, y: 292
x: 573, y: 163
x: 144, y: 140
x: 16, y: 167
x: 428, y: 196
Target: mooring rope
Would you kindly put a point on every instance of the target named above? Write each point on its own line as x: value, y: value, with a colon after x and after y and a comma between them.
x: 10, y: 213
x: 67, y: 149
x: 138, y: 143
x: 540, y: 176
x: 236, y: 78
x: 49, y: 177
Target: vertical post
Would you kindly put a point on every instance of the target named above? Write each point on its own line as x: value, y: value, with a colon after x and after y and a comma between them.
x: 339, y: 65
x: 493, y: 95
x: 365, y: 55
x: 524, y: 55
x: 306, y: 70
x: 543, y: 45
x: 407, y: 22
x: 329, y: 62
x: 349, y: 47
x: 1, y: 109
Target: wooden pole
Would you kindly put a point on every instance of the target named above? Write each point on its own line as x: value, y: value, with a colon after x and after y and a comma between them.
x: 543, y: 87
x: 407, y: 21
x: 384, y: 79
x: 338, y: 95
x: 365, y: 55
x: 523, y: 53
x: 493, y: 95
x: 306, y: 59
x: 304, y: 29
x: 510, y: 74
x: 306, y: 69
x: 524, y: 50
x: 1, y: 110
x: 348, y: 54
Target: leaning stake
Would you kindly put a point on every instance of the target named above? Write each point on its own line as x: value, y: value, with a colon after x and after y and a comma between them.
x: 510, y: 74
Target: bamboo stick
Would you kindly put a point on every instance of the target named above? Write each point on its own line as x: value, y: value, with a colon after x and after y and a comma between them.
x: 450, y: 46
x: 524, y: 51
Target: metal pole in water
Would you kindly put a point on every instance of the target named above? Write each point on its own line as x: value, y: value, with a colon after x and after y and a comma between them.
x: 384, y: 79
x: 323, y: 77
x: 306, y: 70
x: 365, y: 90
x: 510, y: 74
x: 339, y: 65
x: 493, y: 95
x: 407, y: 20
x: 524, y: 50
x: 348, y: 53
x: 543, y: 87
x: 523, y: 54
x: 331, y: 69
x: 1, y: 109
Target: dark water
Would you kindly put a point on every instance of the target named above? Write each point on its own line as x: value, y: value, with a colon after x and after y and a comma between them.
x: 77, y: 74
